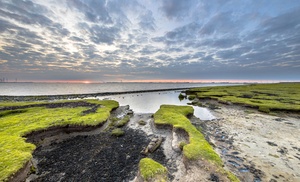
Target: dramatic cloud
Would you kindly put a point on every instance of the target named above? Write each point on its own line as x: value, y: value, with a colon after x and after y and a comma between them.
x: 112, y: 40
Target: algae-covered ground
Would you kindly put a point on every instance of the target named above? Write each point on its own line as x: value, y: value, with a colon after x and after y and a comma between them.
x: 19, y: 119
x: 265, y: 97
x: 197, y: 148
x: 151, y: 169
x: 256, y: 124
x: 177, y: 117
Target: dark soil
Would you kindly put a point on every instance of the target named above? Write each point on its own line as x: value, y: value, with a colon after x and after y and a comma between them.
x: 94, y: 158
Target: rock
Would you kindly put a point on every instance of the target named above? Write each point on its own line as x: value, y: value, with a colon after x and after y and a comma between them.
x: 153, y: 145
x: 127, y: 107
x: 154, y: 140
x: 214, y: 177
x: 279, y: 119
x: 271, y: 143
x: 129, y: 112
x: 272, y: 180
x: 282, y: 150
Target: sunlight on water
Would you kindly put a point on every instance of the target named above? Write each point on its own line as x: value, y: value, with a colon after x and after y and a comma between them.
x: 150, y: 102
x: 25, y: 89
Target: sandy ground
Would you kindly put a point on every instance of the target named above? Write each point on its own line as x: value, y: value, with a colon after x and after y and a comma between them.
x: 270, y: 143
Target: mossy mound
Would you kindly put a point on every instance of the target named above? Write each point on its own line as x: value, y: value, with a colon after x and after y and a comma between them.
x: 15, y: 123
x: 198, y: 147
x: 151, y: 170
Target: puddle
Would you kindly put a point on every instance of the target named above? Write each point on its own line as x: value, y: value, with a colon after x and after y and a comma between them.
x: 244, y: 170
x: 150, y: 102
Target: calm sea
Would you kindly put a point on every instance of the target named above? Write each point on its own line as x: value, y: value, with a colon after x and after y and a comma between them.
x: 26, y: 89
x: 147, y: 102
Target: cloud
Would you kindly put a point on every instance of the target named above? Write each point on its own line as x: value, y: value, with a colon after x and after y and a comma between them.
x: 147, y: 22
x: 169, y: 39
x: 176, y: 9
x: 283, y: 24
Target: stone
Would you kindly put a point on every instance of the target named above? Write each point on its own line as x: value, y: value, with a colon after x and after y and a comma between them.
x: 153, y: 145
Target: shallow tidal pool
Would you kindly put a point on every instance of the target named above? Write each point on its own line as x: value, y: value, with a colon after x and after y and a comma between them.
x: 151, y: 101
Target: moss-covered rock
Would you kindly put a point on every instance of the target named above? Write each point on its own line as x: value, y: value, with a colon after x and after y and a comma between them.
x: 151, y: 170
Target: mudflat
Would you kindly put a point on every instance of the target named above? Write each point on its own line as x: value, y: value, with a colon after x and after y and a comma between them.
x: 252, y: 141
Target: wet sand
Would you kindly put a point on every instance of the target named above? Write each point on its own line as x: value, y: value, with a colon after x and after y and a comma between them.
x: 251, y: 141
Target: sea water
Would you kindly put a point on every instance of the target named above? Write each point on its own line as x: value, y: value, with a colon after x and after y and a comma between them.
x: 147, y: 102
x: 26, y: 89
x: 151, y: 101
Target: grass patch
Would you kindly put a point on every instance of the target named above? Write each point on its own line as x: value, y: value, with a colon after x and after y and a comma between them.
x: 182, y: 144
x: 177, y: 117
x: 14, y: 124
x: 151, y: 169
x: 278, y: 96
x: 117, y: 132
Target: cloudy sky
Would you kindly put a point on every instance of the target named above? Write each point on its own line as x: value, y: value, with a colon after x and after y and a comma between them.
x: 114, y: 40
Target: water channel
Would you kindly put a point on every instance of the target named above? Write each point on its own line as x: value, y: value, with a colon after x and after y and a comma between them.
x: 150, y: 102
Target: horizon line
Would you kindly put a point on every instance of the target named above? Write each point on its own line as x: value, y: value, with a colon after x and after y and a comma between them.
x: 155, y: 81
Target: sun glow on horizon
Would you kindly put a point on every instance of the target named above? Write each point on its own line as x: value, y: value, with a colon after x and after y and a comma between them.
x: 59, y: 81
x: 161, y: 81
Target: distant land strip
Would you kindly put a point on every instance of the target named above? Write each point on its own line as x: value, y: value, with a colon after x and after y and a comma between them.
x: 74, y: 96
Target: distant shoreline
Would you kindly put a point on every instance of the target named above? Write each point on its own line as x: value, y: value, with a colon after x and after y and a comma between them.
x: 74, y: 96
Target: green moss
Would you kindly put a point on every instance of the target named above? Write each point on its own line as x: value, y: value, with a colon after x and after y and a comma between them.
x: 182, y: 144
x: 32, y: 170
x: 177, y: 117
x: 249, y: 111
x: 14, y: 153
x: 181, y: 97
x: 264, y: 109
x: 142, y: 122
x: 117, y: 132
x: 114, y: 119
x: 153, y: 170
x: 14, y: 124
x: 123, y: 121
x: 279, y: 96
x: 191, y: 97
x: 9, y: 104
x: 232, y: 177
x: 11, y: 112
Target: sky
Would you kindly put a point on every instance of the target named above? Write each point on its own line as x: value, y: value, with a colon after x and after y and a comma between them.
x: 149, y: 40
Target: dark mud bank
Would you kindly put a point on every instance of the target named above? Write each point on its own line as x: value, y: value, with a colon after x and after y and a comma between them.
x: 100, y: 157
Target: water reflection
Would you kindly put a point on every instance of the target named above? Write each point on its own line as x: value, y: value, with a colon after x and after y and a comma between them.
x: 150, y: 102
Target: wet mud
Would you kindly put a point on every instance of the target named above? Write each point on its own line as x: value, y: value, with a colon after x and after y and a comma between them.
x: 100, y: 157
